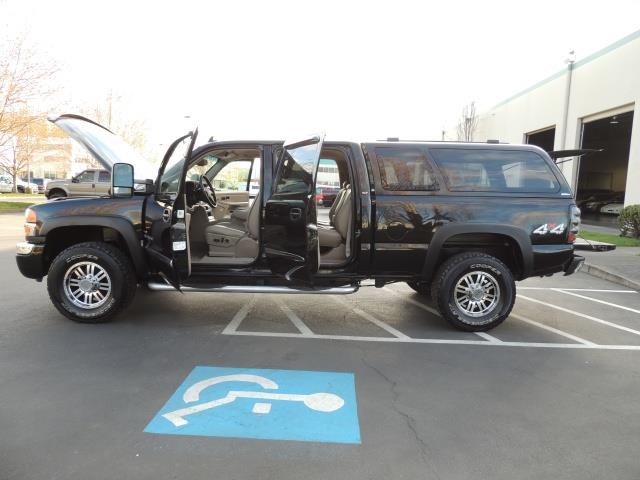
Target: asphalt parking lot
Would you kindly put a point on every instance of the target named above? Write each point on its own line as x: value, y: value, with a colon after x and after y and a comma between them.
x: 551, y: 393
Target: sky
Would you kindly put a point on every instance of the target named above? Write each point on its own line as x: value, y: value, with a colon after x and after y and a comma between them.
x: 276, y: 69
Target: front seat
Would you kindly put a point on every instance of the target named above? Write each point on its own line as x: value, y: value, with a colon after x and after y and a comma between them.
x: 232, y: 239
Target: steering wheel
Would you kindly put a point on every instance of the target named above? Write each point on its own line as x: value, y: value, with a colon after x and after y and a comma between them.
x: 208, y: 191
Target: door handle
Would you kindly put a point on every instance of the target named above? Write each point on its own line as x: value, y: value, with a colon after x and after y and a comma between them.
x: 295, y: 213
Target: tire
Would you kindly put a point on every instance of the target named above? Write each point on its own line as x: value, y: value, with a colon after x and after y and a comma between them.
x: 57, y: 194
x: 457, y: 307
x: 85, y: 258
x: 423, y: 288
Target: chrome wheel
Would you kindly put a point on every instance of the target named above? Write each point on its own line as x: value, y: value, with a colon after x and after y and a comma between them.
x: 87, y: 285
x: 477, y: 293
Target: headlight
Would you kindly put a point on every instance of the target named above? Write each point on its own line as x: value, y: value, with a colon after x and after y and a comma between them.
x: 29, y: 223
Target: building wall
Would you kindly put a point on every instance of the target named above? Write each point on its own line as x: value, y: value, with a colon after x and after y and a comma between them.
x: 602, y: 84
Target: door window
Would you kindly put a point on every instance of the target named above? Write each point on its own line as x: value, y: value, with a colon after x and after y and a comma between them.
x: 297, y: 173
x: 233, y: 176
x: 170, y: 180
x: 88, y: 176
x: 104, y: 177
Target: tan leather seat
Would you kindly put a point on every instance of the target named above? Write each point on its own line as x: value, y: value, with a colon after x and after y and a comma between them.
x: 234, y: 239
x: 337, y: 238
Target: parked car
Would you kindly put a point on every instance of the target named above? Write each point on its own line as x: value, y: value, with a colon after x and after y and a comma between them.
x: 326, y: 196
x: 91, y: 182
x: 593, y: 202
x: 22, y: 186
x: 41, y: 183
x: 456, y: 221
x: 612, y: 208
x: 6, y: 184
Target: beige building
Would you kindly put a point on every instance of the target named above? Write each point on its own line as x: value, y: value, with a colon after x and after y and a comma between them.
x: 590, y: 104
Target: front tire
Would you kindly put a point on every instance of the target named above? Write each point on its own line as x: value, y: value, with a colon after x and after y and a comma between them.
x: 91, y: 282
x: 474, y: 291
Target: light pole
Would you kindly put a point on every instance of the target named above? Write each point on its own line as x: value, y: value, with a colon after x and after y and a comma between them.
x: 570, y: 60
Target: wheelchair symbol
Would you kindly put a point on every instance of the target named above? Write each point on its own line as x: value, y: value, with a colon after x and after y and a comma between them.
x: 320, y: 402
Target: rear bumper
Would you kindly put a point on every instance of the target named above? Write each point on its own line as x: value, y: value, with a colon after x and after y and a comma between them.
x: 30, y: 260
x: 574, y: 265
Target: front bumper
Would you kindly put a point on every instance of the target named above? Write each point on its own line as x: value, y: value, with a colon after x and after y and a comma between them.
x: 574, y: 265
x: 30, y: 260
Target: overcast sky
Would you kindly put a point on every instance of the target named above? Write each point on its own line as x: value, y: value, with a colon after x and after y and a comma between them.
x: 270, y: 69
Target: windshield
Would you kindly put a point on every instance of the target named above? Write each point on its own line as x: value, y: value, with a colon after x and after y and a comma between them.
x: 105, y: 147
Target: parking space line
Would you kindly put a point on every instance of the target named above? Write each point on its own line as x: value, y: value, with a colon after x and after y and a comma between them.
x: 566, y: 292
x: 604, y: 290
x: 583, y: 315
x: 489, y: 338
x: 296, y: 320
x: 484, y: 335
x: 440, y: 341
x: 240, y: 315
x: 551, y: 329
x: 367, y: 316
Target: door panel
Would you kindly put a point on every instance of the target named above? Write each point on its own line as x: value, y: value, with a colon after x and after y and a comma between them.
x: 290, y: 222
x: 103, y: 184
x: 85, y: 186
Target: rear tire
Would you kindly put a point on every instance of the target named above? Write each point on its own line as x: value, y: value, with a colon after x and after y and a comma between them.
x: 91, y: 282
x: 422, y: 288
x: 474, y: 291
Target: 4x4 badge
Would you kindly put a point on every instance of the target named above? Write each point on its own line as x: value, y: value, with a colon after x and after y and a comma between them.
x: 552, y: 228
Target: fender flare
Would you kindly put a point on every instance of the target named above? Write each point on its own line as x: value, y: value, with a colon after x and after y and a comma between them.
x: 445, y: 232
x: 123, y: 226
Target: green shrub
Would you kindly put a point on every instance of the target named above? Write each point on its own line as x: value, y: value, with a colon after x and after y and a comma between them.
x: 629, y: 221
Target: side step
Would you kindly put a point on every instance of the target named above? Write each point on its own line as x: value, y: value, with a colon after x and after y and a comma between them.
x: 158, y: 286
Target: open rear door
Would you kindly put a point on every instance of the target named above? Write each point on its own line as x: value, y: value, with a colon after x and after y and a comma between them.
x: 290, y: 234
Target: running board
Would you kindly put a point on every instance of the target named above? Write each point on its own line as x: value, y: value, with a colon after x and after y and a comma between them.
x: 158, y: 286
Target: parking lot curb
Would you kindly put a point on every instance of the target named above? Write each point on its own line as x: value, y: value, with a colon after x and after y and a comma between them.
x: 606, y: 274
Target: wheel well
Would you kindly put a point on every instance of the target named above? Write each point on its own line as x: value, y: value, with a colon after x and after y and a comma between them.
x: 503, y: 247
x: 57, y: 189
x: 63, y: 237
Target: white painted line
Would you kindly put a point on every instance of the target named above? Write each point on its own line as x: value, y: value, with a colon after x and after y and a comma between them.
x: 578, y: 289
x: 380, y: 323
x: 566, y: 292
x: 388, y: 328
x: 551, y: 329
x: 440, y: 341
x: 484, y: 335
x: 583, y: 315
x: 488, y: 337
x: 239, y: 316
x: 296, y: 320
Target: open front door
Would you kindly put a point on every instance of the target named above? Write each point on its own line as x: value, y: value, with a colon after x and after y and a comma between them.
x: 166, y: 238
x: 290, y: 223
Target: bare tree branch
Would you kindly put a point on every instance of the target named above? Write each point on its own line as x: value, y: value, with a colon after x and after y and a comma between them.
x: 468, y: 123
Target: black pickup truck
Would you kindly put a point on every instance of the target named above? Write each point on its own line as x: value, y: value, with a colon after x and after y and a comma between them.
x: 459, y: 222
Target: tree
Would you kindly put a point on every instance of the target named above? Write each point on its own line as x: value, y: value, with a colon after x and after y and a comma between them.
x: 468, y: 123
x: 110, y: 114
x: 25, y: 81
x: 16, y: 155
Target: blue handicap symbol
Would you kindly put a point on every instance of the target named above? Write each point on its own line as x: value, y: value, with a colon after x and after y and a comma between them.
x: 262, y: 403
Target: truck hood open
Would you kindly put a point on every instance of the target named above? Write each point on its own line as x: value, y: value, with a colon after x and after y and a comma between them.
x: 106, y: 147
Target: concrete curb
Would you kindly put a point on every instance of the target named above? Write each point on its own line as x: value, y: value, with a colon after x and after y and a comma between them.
x: 606, y: 274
